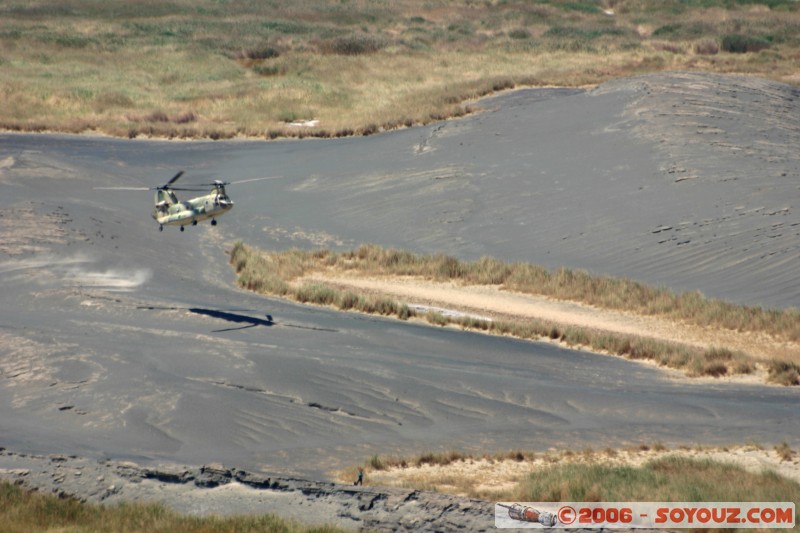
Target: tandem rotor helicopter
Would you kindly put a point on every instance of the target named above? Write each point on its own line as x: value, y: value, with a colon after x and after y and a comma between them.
x: 169, y: 211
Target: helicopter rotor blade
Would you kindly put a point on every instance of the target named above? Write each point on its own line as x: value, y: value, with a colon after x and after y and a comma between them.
x: 239, y: 182
x: 254, y: 179
x: 199, y: 187
x: 173, y: 179
x: 123, y: 188
x: 191, y: 189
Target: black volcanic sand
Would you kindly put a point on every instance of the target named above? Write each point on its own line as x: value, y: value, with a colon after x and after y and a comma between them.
x: 121, y: 342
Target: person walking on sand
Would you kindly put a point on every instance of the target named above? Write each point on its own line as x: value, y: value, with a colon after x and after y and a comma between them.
x: 360, y: 480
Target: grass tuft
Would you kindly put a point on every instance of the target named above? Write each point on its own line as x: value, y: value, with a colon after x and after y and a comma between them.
x: 353, y: 45
x: 783, y: 372
x: 784, y: 451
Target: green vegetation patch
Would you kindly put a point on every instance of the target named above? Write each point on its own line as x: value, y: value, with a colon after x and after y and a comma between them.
x: 590, y: 475
x: 241, y: 67
x: 742, y: 44
x: 670, y: 478
x: 24, y: 511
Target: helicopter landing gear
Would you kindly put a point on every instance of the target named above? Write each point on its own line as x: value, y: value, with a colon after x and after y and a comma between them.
x: 160, y: 227
x: 194, y: 222
x: 213, y: 222
x: 181, y: 228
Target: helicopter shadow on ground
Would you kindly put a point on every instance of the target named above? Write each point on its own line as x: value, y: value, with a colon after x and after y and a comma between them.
x: 248, y: 321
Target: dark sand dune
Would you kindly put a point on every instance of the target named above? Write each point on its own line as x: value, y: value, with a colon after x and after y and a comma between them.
x: 119, y: 341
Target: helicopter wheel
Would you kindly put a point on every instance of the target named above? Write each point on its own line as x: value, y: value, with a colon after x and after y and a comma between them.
x: 213, y: 222
x: 160, y: 228
x: 181, y: 228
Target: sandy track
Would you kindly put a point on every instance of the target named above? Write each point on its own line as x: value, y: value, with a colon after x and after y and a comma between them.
x: 494, y: 302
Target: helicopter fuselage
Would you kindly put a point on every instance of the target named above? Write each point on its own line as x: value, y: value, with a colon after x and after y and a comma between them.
x: 170, y: 212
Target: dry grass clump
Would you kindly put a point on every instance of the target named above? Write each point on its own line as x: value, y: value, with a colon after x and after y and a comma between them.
x: 243, y: 68
x: 706, y: 47
x: 274, y: 273
x: 379, y: 463
x: 784, y: 451
x: 784, y: 372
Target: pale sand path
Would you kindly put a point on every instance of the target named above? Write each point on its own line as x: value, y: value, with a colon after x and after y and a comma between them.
x: 492, y: 301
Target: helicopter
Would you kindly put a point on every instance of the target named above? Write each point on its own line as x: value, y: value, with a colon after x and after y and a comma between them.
x: 169, y: 211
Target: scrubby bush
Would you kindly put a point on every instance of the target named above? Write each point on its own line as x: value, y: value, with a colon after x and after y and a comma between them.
x: 706, y: 47
x: 784, y: 372
x: 353, y: 45
x: 519, y: 33
x: 741, y: 44
x: 261, y: 52
x: 316, y: 293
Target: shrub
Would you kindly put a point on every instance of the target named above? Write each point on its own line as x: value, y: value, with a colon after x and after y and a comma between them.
x: 316, y: 293
x: 348, y: 300
x: 157, y: 116
x: 269, y: 70
x: 263, y: 52
x: 706, y: 47
x: 437, y: 319
x: 668, y: 47
x: 519, y: 33
x: 448, y: 268
x: 385, y: 306
x: 784, y: 451
x: 184, y: 118
x: 585, y: 7
x: 353, y: 45
x: 405, y: 312
x: 376, y: 463
x: 741, y: 44
x: 668, y: 29
x: 369, y: 129
x: 784, y: 372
